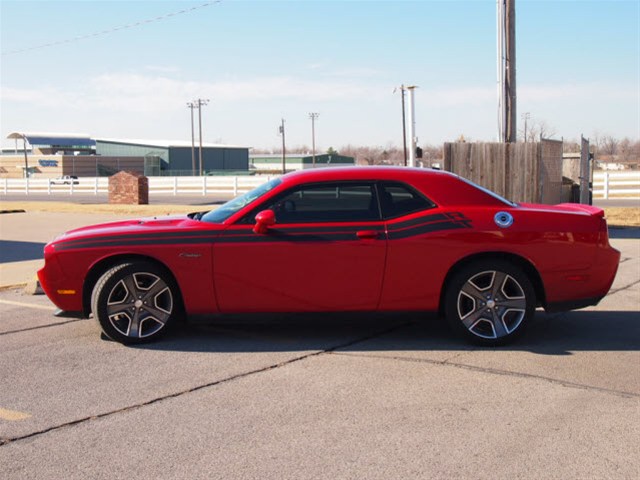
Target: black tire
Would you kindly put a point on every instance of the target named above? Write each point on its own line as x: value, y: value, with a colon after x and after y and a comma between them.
x: 135, y: 302
x: 490, y: 302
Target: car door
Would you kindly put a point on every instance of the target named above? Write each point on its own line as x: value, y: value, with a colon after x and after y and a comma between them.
x: 326, y: 252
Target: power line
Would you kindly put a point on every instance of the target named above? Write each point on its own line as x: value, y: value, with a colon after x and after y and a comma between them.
x: 114, y: 29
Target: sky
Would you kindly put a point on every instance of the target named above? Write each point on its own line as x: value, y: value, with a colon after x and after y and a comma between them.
x: 578, y: 69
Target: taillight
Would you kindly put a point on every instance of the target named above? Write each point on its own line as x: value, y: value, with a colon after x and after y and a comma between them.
x: 603, y: 226
x: 603, y: 238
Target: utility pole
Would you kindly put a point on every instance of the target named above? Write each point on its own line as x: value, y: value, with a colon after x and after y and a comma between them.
x: 510, y: 66
x: 284, y: 164
x: 191, y: 106
x: 26, y: 162
x: 404, y: 126
x: 506, y: 40
x: 199, y: 103
x: 313, y: 117
x: 412, y: 126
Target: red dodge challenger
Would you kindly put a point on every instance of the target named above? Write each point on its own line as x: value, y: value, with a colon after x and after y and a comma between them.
x: 342, y: 239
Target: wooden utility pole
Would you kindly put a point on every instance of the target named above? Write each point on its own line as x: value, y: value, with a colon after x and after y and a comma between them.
x: 510, y: 72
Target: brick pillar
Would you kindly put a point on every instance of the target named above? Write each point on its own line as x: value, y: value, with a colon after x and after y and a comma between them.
x: 128, y: 188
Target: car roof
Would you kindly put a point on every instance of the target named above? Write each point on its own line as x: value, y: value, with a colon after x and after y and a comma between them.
x: 362, y: 173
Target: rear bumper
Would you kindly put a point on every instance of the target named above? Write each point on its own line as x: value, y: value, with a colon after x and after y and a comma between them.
x: 570, y: 290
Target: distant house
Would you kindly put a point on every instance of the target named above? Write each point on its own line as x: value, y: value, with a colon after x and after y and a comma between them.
x: 611, y: 166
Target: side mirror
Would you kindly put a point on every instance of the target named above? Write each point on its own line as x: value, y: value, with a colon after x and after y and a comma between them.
x: 264, y: 220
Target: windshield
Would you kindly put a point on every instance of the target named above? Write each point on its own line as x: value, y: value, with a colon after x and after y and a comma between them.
x: 223, y: 212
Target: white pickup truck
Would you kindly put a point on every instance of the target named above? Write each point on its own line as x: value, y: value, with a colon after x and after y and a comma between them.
x: 65, y: 180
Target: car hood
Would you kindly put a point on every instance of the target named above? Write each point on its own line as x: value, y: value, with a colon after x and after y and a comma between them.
x: 135, y: 228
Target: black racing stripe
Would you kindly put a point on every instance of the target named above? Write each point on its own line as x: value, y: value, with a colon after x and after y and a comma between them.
x: 438, y: 217
x: 136, y: 241
x: 152, y: 236
x: 188, y: 237
x: 274, y: 236
x: 141, y: 236
x: 310, y: 229
x: 399, y: 230
x: 249, y: 237
x: 427, y: 228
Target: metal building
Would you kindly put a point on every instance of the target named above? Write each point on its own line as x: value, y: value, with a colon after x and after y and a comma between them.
x: 176, y: 156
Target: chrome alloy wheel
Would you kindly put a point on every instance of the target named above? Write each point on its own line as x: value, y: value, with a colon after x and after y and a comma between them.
x: 139, y: 305
x: 491, y: 304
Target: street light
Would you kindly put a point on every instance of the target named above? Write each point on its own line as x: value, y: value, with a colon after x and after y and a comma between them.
x: 191, y: 106
x: 16, y: 136
x: 313, y: 116
x: 201, y: 102
x: 281, y: 131
x: 404, y: 123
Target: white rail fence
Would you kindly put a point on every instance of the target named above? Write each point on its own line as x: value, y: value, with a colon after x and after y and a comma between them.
x: 616, y: 185
x: 227, y: 185
x: 605, y: 185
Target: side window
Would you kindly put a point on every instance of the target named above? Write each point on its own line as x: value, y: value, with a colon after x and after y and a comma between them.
x: 397, y: 199
x: 336, y: 202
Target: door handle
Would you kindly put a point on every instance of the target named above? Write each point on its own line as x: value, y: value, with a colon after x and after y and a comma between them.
x: 363, y: 234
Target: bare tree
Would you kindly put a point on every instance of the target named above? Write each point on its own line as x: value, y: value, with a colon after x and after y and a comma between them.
x: 571, y: 146
x: 540, y: 129
x: 609, y: 145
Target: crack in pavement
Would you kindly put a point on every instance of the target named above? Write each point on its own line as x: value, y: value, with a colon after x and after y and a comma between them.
x: 6, y: 441
x: 57, y: 324
x: 616, y: 290
x: 495, y: 371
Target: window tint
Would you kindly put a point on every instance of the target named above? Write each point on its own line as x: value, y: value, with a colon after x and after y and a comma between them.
x: 223, y: 212
x: 327, y: 203
x: 397, y: 199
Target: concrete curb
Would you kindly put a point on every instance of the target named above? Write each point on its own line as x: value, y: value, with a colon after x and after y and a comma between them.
x: 15, y: 286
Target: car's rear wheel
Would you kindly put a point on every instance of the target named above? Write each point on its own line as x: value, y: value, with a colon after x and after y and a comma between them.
x: 135, y: 302
x: 490, y: 302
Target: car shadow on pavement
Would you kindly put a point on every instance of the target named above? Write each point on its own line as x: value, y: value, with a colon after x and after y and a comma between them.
x: 552, y: 334
x: 15, y: 251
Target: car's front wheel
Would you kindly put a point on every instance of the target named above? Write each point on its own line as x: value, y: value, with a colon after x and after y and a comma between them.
x: 490, y: 302
x: 135, y: 302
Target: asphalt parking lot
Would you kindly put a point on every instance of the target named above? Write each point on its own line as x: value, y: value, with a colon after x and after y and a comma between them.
x: 349, y: 396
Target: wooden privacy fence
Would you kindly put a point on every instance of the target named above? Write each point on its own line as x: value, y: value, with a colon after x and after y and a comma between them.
x: 521, y: 172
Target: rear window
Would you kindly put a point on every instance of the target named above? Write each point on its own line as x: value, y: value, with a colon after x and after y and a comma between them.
x: 398, y: 199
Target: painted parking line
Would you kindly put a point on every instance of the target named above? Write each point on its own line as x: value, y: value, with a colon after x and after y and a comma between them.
x: 13, y: 415
x: 28, y: 305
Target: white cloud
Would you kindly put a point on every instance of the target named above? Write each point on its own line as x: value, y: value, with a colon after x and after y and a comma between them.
x: 151, y: 93
x: 572, y: 91
x: 476, y: 96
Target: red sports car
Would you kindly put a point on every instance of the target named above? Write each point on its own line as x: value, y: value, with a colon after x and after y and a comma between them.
x: 343, y: 239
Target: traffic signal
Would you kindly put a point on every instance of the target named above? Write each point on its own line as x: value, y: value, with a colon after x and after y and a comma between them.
x: 418, y: 152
